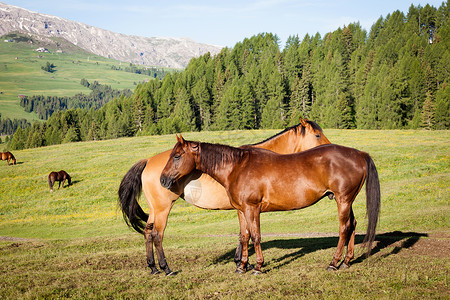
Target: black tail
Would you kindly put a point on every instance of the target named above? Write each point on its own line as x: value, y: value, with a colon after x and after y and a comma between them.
x: 373, y: 200
x: 129, y: 193
x: 50, y: 182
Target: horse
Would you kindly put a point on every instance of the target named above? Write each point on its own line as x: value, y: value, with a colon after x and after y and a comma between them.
x: 196, y: 188
x: 7, y: 156
x: 259, y: 180
x: 58, y: 176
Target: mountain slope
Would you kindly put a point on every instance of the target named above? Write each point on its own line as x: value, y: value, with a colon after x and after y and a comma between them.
x: 155, y: 51
x: 21, y: 71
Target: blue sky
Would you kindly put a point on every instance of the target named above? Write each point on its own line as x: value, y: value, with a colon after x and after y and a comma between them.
x: 221, y: 23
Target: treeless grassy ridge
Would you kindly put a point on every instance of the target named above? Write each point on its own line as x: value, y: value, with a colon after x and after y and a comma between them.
x: 74, y: 243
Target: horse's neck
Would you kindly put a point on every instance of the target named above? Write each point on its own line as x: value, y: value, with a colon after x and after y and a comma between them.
x: 281, y: 144
x: 219, y: 165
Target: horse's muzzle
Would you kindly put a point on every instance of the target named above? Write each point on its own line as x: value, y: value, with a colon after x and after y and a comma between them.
x: 166, y: 181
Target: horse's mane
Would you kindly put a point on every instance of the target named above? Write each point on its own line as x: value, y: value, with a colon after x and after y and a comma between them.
x: 216, y: 156
x: 313, y: 124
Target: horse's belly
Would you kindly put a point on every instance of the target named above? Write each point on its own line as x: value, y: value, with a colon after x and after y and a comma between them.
x: 206, y: 193
x: 290, y: 200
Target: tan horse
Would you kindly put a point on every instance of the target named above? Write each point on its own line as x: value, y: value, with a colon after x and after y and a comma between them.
x: 196, y: 188
x: 8, y: 156
x: 258, y: 180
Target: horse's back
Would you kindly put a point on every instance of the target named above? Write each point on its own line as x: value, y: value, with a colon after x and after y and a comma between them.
x: 299, y: 180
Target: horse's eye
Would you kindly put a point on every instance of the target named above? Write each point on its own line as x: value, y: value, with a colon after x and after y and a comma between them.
x: 176, y: 157
x: 317, y: 135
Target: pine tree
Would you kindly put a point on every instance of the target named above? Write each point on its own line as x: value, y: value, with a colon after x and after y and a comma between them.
x: 442, y: 108
x: 19, y: 139
x: 183, y: 115
x: 428, y: 112
x: 248, y: 109
x: 202, y: 101
x: 138, y: 113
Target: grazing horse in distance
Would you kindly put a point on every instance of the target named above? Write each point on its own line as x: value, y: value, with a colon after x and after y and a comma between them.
x: 8, y: 156
x: 196, y: 188
x: 58, y: 176
x: 258, y: 180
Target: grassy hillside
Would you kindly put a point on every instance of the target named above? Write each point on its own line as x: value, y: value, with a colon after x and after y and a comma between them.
x: 21, y: 73
x: 74, y: 242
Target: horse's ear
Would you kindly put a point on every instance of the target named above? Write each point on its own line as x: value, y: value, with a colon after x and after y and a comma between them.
x: 303, y: 122
x: 180, y: 139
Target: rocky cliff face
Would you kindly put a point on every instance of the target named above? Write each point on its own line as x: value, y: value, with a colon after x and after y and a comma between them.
x: 155, y: 51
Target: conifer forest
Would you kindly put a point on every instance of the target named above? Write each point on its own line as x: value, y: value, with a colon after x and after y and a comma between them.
x: 395, y: 76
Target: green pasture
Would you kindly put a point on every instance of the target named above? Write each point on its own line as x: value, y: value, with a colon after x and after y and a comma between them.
x: 21, y: 74
x: 73, y: 243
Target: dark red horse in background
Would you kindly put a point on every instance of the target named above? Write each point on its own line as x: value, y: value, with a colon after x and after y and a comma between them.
x: 58, y: 176
x: 8, y: 156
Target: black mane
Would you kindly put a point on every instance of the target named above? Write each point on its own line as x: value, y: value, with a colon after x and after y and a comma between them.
x: 216, y: 156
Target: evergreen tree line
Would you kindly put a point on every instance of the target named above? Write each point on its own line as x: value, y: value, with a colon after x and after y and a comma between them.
x: 8, y: 126
x: 149, y: 71
x: 395, y: 76
x: 45, y: 106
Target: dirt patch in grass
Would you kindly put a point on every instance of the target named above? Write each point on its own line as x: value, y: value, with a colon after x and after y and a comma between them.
x: 435, y: 245
x: 10, y: 238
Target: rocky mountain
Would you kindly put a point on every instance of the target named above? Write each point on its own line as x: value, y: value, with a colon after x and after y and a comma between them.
x: 154, y: 51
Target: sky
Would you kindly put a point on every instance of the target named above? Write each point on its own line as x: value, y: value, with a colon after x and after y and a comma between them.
x: 222, y: 23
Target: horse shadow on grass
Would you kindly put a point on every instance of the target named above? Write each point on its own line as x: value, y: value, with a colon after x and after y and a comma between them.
x: 74, y: 182
x: 303, y: 246
x: 66, y: 185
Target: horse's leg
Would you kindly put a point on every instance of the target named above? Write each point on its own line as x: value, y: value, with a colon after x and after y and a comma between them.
x: 149, y: 243
x: 351, y: 241
x: 344, y: 209
x: 64, y: 180
x: 253, y: 219
x: 244, y: 237
x: 238, y: 254
x: 252, y: 228
x: 157, y: 236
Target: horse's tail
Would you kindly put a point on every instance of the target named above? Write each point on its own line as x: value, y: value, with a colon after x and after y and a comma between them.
x: 50, y: 183
x: 129, y: 193
x: 373, y: 200
x: 13, y: 158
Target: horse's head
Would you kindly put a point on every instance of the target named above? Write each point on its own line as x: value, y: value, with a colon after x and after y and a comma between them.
x: 181, y: 161
x: 311, y: 136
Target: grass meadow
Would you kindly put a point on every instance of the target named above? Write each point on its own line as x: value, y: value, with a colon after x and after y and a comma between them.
x: 21, y: 73
x: 73, y: 243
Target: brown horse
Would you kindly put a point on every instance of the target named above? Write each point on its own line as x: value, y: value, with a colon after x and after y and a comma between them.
x: 8, y: 156
x: 58, y: 176
x: 258, y: 180
x: 196, y: 188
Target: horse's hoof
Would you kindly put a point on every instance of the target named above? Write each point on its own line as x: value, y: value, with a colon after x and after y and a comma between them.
x: 155, y: 272
x: 240, y: 271
x: 171, y: 273
x: 250, y: 267
x: 331, y: 268
x: 256, y: 272
x: 344, y: 266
